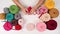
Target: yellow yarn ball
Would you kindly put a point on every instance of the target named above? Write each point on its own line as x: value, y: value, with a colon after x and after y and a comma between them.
x: 49, y: 4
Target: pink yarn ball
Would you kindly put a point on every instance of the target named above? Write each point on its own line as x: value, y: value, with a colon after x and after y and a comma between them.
x: 43, y: 9
x: 7, y: 26
x: 21, y: 22
x: 30, y: 26
x: 41, y: 27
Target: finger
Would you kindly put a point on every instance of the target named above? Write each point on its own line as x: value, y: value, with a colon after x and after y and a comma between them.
x: 32, y: 11
x: 26, y: 10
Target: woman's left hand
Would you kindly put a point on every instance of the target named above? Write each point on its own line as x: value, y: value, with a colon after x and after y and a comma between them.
x: 36, y: 6
x: 33, y: 10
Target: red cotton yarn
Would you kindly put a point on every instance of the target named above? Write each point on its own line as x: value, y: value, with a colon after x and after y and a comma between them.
x: 29, y: 9
x: 18, y: 27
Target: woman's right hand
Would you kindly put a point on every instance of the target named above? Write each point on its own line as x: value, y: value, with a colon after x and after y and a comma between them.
x: 24, y: 10
x: 20, y: 6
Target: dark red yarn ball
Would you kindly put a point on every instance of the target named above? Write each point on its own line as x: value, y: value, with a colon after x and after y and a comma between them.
x: 14, y: 22
x: 51, y: 25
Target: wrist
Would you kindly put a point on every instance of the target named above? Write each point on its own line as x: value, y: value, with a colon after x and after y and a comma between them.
x: 21, y: 7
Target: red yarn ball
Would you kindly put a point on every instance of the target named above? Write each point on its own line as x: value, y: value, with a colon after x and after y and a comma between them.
x: 29, y: 9
x: 18, y: 27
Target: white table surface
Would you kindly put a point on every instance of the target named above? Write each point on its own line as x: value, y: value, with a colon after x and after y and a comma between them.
x: 29, y: 19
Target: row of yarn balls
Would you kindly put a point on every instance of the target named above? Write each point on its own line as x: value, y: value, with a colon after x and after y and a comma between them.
x: 46, y: 12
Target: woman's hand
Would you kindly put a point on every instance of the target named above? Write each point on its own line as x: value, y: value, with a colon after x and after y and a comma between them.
x: 24, y: 10
x: 20, y: 5
x: 37, y: 5
x: 32, y: 10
